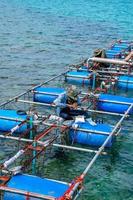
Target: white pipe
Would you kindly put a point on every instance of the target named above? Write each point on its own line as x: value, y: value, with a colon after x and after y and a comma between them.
x: 35, y: 103
x: 16, y: 138
x: 110, y: 61
x: 12, y: 119
x: 77, y: 148
x: 112, y: 72
x: 11, y: 160
x: 91, y: 131
x: 103, y: 112
x: 117, y: 102
x: 47, y: 93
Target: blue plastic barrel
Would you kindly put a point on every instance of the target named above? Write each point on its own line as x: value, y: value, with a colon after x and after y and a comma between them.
x: 112, y: 54
x: 125, y: 82
x: 13, y: 119
x: 35, y: 184
x: 91, y: 138
x: 110, y: 106
x: 121, y: 47
x: 78, y: 77
x: 113, y: 51
x: 48, y: 95
x: 117, y: 49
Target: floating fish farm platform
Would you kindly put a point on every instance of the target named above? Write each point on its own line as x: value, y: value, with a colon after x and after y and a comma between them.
x: 36, y: 120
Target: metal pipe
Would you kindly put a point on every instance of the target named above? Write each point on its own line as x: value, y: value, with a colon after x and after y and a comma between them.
x: 23, y: 140
x: 80, y: 129
x: 107, y: 60
x: 16, y: 138
x: 78, y: 194
x: 94, y: 81
x: 117, y: 102
x: 91, y: 131
x: 77, y: 148
x: 25, y: 193
x: 45, y: 143
x: 74, y: 189
x: 47, y: 93
x: 108, y: 101
x: 35, y: 103
x: 106, y: 141
x: 12, y: 119
x: 99, y: 151
x: 103, y: 112
x: 29, y: 90
x: 111, y: 72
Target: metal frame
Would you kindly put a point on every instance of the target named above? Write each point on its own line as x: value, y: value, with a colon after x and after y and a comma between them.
x: 76, y: 184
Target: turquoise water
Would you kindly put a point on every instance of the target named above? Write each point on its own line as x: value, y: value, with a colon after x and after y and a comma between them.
x: 38, y: 39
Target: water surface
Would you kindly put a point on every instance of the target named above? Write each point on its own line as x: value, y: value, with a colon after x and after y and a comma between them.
x: 39, y: 39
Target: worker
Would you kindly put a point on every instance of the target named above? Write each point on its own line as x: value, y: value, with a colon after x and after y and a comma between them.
x: 71, y: 108
x: 104, y: 85
x: 99, y: 53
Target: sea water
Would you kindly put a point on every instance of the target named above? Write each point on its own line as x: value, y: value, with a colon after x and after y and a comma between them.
x: 39, y: 39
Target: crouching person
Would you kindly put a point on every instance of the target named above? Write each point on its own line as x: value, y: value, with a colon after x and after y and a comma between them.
x: 71, y: 108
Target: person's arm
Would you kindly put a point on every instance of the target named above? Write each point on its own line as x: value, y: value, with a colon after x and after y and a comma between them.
x: 130, y: 55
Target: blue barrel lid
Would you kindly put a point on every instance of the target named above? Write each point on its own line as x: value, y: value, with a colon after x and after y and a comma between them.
x: 50, y: 90
x: 98, y: 127
x: 78, y: 73
x: 36, y: 185
x: 13, y: 114
x: 112, y: 51
x: 122, y: 45
x: 125, y: 78
x: 111, y: 97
